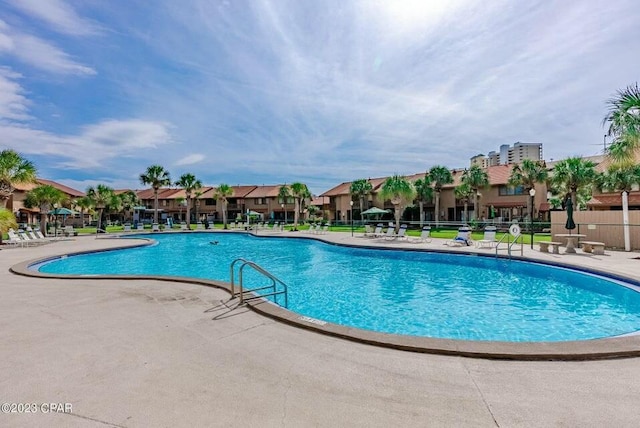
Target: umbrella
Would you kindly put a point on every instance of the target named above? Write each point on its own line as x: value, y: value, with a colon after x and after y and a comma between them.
x: 570, y: 225
x: 373, y: 211
x: 62, y: 211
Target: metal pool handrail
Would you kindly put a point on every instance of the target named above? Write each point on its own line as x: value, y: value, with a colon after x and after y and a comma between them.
x: 274, y: 281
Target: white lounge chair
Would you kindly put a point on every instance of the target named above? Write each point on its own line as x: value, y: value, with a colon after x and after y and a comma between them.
x: 140, y: 226
x: 400, y: 235
x: 425, y: 235
x: 463, y: 239
x: 368, y: 231
x: 14, y: 239
x: 127, y: 228
x: 155, y: 227
x: 377, y: 233
x: 489, y: 238
x: 390, y: 233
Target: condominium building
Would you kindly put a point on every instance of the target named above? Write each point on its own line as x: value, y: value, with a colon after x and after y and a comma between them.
x: 509, y: 155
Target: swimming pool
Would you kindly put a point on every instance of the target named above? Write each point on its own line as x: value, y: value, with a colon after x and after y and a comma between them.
x: 412, y: 293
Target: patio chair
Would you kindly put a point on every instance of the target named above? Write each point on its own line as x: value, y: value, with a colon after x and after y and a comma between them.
x: 377, y: 233
x: 462, y: 239
x: 27, y: 240
x: 489, y: 238
x: 14, y: 239
x: 400, y: 235
x: 140, y: 226
x: 368, y: 231
x: 425, y: 236
x: 127, y: 228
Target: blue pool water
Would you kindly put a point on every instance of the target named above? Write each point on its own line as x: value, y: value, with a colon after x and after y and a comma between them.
x: 411, y: 293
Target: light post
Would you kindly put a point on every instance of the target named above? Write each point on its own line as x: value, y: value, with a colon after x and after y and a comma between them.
x: 55, y: 220
x: 285, y: 214
x: 532, y: 193
x: 351, y: 205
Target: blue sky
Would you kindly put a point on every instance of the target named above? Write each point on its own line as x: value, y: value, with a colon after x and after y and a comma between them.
x: 266, y: 92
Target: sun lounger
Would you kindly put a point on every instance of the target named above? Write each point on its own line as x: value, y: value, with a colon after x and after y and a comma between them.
x: 425, y: 236
x: 489, y: 238
x: 400, y: 235
x: 463, y: 239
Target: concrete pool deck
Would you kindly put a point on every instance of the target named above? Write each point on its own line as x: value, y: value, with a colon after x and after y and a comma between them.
x: 157, y: 353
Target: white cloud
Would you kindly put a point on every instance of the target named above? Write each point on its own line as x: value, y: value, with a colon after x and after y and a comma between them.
x: 58, y: 14
x: 38, y: 53
x: 99, y: 147
x: 13, y: 103
x: 191, y: 159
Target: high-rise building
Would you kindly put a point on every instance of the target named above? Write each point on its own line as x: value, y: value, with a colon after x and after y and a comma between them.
x: 508, y: 155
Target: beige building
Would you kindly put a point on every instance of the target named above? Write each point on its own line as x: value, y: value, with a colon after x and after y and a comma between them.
x: 26, y: 215
x: 499, y: 201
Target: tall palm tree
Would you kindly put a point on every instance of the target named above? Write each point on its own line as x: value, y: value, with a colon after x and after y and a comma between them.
x: 44, y: 197
x: 463, y: 192
x: 156, y: 177
x: 83, y: 204
x: 284, y: 193
x: 439, y: 176
x: 102, y: 197
x: 424, y: 193
x: 128, y: 200
x: 528, y: 174
x: 299, y: 191
x: 189, y: 183
x: 7, y: 221
x: 181, y: 202
x: 400, y: 192
x: 620, y: 179
x: 360, y: 189
x: 222, y: 194
x: 14, y: 169
x: 476, y: 178
x: 624, y: 125
x: 574, y: 174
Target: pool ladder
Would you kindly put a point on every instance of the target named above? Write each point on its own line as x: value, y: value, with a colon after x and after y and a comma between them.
x: 242, y: 291
x: 511, y: 244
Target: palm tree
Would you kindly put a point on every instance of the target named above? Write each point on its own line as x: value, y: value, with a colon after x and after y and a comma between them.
x: 476, y: 178
x: 84, y: 204
x: 284, y: 193
x: 14, y: 169
x: 7, y: 221
x: 360, y: 189
x: 424, y: 193
x: 528, y: 174
x: 573, y: 175
x: 189, y: 183
x: 463, y: 192
x: 439, y: 176
x: 102, y: 197
x: 156, y: 177
x: 624, y: 125
x: 222, y: 194
x: 299, y: 191
x: 620, y: 179
x: 44, y: 197
x: 181, y: 202
x: 400, y: 192
x: 128, y: 200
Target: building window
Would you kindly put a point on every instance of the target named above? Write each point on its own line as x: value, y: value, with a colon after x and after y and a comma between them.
x: 209, y: 202
x: 259, y: 201
x: 510, y: 191
x: 165, y: 203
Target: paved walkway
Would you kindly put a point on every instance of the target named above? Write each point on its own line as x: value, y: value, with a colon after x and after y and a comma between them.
x: 155, y: 353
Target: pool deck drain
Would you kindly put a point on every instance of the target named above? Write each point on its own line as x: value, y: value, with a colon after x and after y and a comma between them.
x: 141, y: 353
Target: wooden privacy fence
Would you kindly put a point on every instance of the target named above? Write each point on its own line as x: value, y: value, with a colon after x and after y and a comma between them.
x: 601, y: 226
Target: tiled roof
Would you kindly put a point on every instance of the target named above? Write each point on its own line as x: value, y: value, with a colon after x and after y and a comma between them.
x: 241, y: 191
x: 41, y: 181
x: 320, y: 201
x: 608, y: 200
x: 343, y: 188
x: 499, y: 174
x: 265, y: 192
